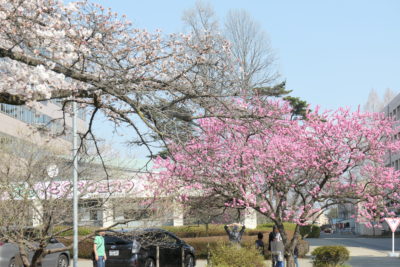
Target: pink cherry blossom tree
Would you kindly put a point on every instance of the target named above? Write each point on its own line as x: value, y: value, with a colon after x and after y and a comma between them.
x: 287, y: 170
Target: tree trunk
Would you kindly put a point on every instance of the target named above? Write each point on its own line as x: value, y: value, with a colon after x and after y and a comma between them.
x: 290, y: 261
x: 37, y: 258
x: 23, y: 255
x: 208, y: 247
x: 288, y: 243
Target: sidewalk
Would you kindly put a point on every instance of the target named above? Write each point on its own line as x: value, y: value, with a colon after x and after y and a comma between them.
x: 364, y: 257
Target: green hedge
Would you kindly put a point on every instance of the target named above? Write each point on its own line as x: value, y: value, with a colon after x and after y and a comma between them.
x: 310, y: 231
x: 200, y: 244
x: 330, y: 256
x: 82, y: 230
x: 200, y: 231
x: 188, y: 231
x: 290, y: 227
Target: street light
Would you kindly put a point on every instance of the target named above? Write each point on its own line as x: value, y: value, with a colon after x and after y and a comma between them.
x: 75, y: 184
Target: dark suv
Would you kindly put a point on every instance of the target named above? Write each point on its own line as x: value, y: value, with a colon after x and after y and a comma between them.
x: 138, y: 248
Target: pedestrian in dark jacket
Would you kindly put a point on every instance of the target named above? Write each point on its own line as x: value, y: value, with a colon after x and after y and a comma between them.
x: 260, y: 243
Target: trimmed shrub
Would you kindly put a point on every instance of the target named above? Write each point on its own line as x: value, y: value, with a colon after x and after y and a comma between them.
x: 290, y: 227
x: 188, y: 231
x: 85, y: 248
x: 224, y: 255
x: 310, y: 231
x: 82, y: 230
x: 330, y: 256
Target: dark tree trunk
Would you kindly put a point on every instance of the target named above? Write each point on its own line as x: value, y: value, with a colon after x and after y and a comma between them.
x: 289, y: 244
x: 37, y: 258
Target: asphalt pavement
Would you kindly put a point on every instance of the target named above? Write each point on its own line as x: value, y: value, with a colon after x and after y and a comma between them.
x: 364, y: 251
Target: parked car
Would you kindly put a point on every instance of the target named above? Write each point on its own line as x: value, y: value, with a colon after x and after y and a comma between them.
x: 9, y: 255
x: 138, y: 248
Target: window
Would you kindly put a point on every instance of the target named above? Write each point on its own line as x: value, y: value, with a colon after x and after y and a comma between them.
x: 398, y: 112
x: 114, y: 240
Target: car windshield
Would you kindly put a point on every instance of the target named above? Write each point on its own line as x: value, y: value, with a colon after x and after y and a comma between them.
x: 146, y: 238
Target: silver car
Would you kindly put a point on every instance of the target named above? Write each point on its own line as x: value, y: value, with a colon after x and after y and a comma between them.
x: 9, y: 255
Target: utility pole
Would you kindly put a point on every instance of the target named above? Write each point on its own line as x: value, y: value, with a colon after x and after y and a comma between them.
x: 75, y: 184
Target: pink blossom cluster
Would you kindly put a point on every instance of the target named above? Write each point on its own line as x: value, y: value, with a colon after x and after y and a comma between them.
x: 288, y: 170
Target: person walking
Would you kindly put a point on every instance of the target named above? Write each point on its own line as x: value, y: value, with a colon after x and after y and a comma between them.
x: 235, y: 236
x: 271, y: 238
x: 99, y: 250
x: 278, y: 251
x: 260, y: 243
x: 296, y: 254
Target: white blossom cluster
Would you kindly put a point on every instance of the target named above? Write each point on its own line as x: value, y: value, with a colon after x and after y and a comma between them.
x: 44, y: 42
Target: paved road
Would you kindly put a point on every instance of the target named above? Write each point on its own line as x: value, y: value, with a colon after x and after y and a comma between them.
x: 376, y: 243
x: 364, y: 252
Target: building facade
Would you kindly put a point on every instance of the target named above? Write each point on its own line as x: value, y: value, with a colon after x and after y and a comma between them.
x: 101, y: 207
x: 22, y: 122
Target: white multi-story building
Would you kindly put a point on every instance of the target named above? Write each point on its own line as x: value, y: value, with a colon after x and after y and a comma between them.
x: 392, y: 109
x: 17, y: 122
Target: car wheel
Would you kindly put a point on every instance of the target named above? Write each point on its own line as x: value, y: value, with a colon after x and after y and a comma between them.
x: 62, y: 261
x: 12, y: 263
x: 189, y: 261
x: 150, y: 263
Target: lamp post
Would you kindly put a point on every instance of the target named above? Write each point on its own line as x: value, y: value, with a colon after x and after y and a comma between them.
x: 75, y: 184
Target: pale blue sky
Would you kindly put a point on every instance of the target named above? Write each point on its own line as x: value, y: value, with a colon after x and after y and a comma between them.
x: 331, y: 53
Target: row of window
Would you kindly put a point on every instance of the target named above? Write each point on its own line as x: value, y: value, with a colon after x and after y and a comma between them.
x: 57, y: 102
x: 33, y: 117
x: 396, y: 164
x: 25, y: 114
x: 395, y: 113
